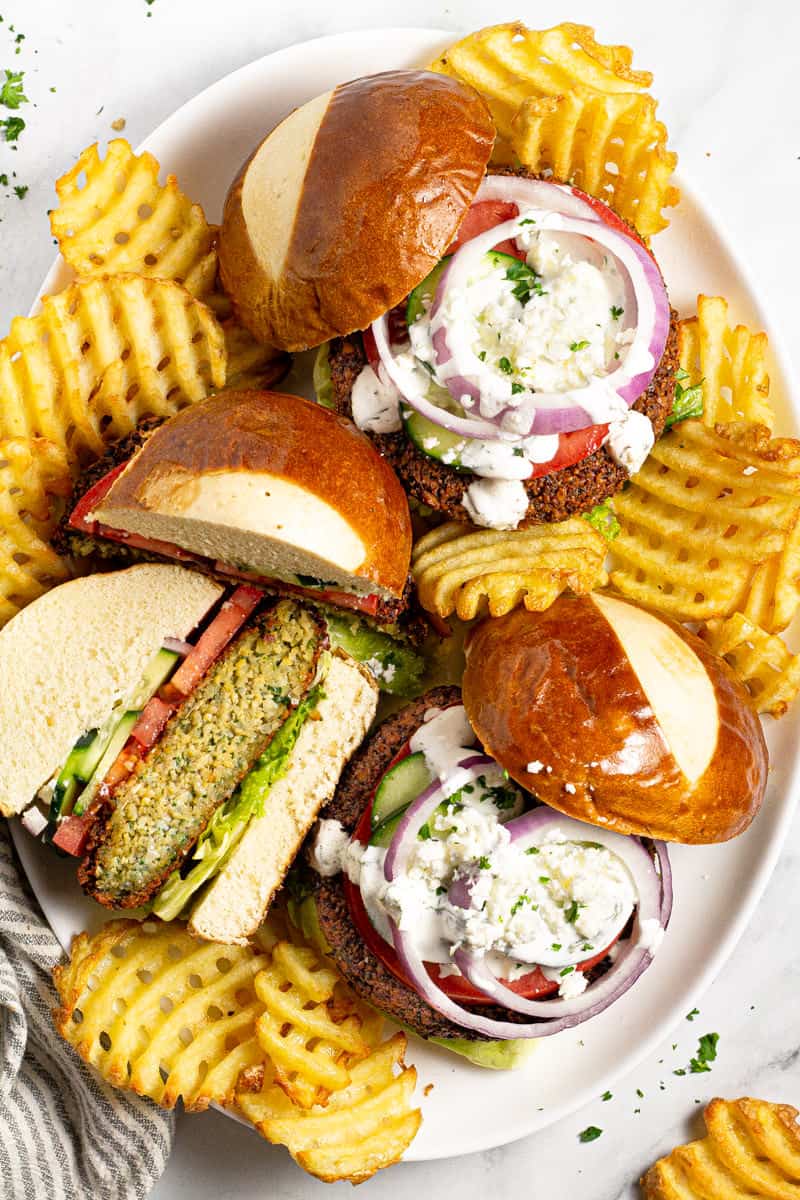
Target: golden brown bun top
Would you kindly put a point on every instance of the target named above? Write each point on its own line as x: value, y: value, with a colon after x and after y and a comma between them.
x: 350, y: 202
x: 556, y: 692
x: 273, y: 433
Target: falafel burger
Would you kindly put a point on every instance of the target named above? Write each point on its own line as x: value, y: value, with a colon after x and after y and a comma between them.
x: 263, y: 487
x: 177, y: 737
x: 463, y: 908
x: 505, y: 340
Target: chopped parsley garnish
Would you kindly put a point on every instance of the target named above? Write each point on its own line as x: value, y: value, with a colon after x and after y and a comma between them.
x: 544, y: 879
x: 526, y: 282
x: 694, y: 1013
x: 571, y: 914
x: 518, y: 903
x: 587, y: 946
x: 527, y: 221
x: 519, y: 452
x: 603, y: 518
x: 482, y: 356
x: 11, y: 93
x: 590, y: 1134
x: 688, y: 401
x: 532, y: 850
x: 440, y: 891
x: 425, y: 834
x: 21, y: 190
x: 483, y: 863
x: 556, y: 946
x: 3, y: 181
x: 516, y: 388
x: 706, y: 1053
x: 12, y: 127
x: 606, y: 1096
x: 505, y: 365
x: 574, y: 346
x: 616, y: 313
x: 566, y: 971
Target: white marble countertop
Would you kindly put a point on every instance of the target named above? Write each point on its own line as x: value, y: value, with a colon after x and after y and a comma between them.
x: 726, y: 75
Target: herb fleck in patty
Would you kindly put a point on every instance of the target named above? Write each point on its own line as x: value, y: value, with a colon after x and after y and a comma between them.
x: 208, y: 747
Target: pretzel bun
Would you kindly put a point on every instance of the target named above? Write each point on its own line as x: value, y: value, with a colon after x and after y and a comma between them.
x: 273, y: 484
x: 617, y: 717
x: 349, y: 203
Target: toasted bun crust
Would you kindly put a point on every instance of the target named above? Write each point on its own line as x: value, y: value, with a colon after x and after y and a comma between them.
x: 349, y: 203
x: 275, y: 483
x: 76, y: 652
x: 557, y: 692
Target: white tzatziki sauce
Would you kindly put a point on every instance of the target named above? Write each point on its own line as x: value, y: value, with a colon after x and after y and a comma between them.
x: 550, y: 902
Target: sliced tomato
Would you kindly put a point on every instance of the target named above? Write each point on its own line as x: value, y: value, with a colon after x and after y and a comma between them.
x: 484, y: 216
x: 572, y: 448
x: 532, y: 986
x: 212, y: 642
x: 608, y: 215
x: 152, y: 720
x: 88, y: 502
x: 73, y: 832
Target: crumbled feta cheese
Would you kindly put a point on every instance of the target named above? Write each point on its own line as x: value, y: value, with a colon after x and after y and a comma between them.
x: 496, y: 503
x: 570, y: 788
x: 630, y: 440
x: 651, y: 934
x: 533, y: 768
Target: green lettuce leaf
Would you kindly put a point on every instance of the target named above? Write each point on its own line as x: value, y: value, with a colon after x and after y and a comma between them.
x: 226, y: 828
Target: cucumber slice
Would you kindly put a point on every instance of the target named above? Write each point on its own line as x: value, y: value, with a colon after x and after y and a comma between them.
x: 419, y: 301
x: 431, y: 439
x: 383, y: 834
x: 118, y: 739
x: 399, y: 787
x: 157, y: 671
x: 63, y: 798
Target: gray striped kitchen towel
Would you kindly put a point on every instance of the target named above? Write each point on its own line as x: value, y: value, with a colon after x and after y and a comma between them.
x: 64, y: 1135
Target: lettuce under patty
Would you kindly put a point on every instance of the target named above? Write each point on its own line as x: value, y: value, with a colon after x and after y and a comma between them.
x: 226, y: 828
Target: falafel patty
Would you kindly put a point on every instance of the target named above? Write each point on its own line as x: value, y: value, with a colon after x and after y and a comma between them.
x: 553, y: 497
x: 365, y: 973
x: 207, y: 748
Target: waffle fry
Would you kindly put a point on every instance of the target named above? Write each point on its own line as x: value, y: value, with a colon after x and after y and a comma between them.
x: 251, y: 364
x: 729, y: 364
x: 114, y: 217
x: 312, y: 1027
x: 752, y: 1150
x: 101, y: 355
x: 763, y: 662
x: 365, y: 1126
x: 34, y: 475
x: 158, y: 1012
x: 467, y: 571
x: 566, y: 104
x: 709, y: 526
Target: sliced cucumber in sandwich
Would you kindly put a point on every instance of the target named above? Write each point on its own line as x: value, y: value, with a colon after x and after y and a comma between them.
x: 399, y: 787
x: 396, y: 667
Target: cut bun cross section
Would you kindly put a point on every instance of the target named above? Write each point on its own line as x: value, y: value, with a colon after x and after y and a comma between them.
x: 272, y: 486
x: 617, y: 717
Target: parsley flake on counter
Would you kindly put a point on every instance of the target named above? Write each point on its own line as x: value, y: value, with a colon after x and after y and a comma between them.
x: 12, y: 127
x: 640, y: 1093
x: 11, y: 93
x: 590, y: 1134
x: 21, y: 191
x: 694, y: 1013
x: 575, y: 346
x: 606, y: 1096
x: 706, y: 1053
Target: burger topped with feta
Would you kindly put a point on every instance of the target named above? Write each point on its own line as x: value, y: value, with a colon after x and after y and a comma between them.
x: 522, y: 359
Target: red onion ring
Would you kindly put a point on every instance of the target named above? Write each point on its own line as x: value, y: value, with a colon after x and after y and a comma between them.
x: 177, y: 646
